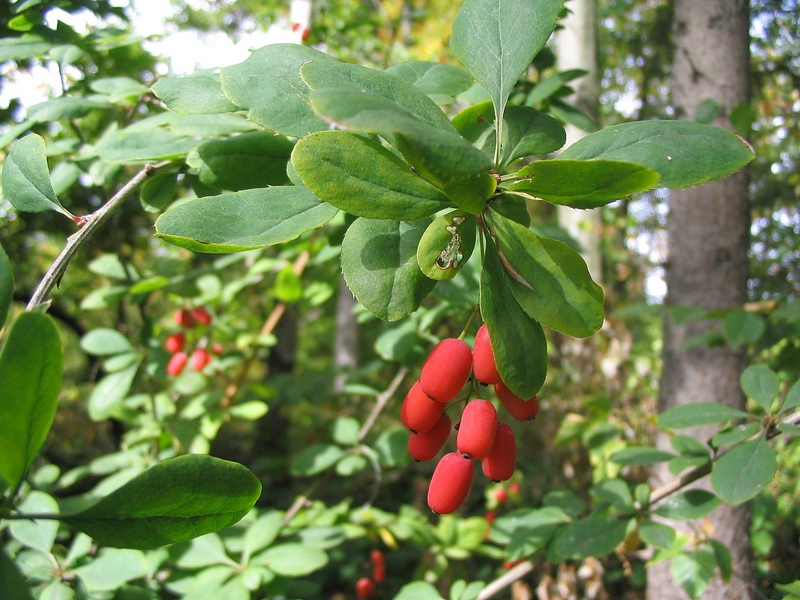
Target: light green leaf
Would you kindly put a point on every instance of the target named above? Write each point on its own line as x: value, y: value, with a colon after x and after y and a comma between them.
x: 316, y: 459
x: 418, y: 590
x: 111, y: 568
x: 108, y: 394
x: 6, y: 286
x: 657, y: 534
x: 39, y: 535
x: 292, y: 560
x: 584, y: 183
x: 359, y: 176
x: 688, y: 445
x: 742, y: 327
x: 518, y: 341
x: 497, y: 40
x: 616, y: 492
x: 13, y: 584
x: 26, y: 178
x: 526, y: 132
x: 693, y: 571
x: 110, y: 265
x: 590, y: 537
x: 760, y: 383
x: 31, y: 365
x: 105, y: 342
x: 722, y: 554
x: 263, y: 532
x: 640, y: 455
x: 202, y: 551
x: 351, y: 464
x: 379, y: 263
x: 249, y: 411
x: 269, y: 86
x: 345, y: 431
x: 527, y: 531
x: 447, y: 244
x: 20, y: 48
x: 683, y: 152
x: 792, y: 397
x: 553, y: 284
x: 249, y: 160
x: 64, y: 108
x: 734, y: 435
x: 197, y: 93
x: 243, y: 220
x: 698, y: 413
x: 690, y: 505
x: 439, y: 81
x: 745, y: 470
x: 194, y: 495
x: 136, y: 146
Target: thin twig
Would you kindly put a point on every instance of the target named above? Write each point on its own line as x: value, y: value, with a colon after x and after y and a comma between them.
x: 89, y: 225
x: 516, y: 573
x: 382, y: 401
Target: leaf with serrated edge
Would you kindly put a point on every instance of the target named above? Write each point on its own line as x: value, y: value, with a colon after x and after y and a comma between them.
x: 174, y: 501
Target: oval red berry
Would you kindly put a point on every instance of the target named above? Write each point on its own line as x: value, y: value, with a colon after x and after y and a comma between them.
x: 446, y: 370
x: 477, y: 428
x: 175, y: 342
x: 201, y: 315
x: 184, y: 318
x: 177, y: 363
x: 483, y: 365
x: 501, y: 462
x: 521, y: 410
x: 200, y: 358
x: 365, y: 587
x: 419, y: 413
x: 426, y: 445
x: 450, y: 483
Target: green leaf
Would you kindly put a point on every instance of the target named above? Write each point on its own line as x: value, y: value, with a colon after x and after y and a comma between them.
x: 292, y: 560
x: 202, y: 551
x: 351, y: 464
x: 13, y: 584
x: 722, y: 554
x: 359, y: 176
x: 790, y: 588
x: 734, y: 435
x: 31, y: 365
x: 688, y: 445
x: 326, y: 74
x: 527, y: 531
x: 615, y: 492
x: 439, y: 81
x: 198, y: 93
x: 657, y: 534
x: 745, y: 470
x: 288, y: 286
x: 690, y: 505
x: 111, y: 568
x: 640, y: 455
x: 497, y: 41
x: 135, y: 146
x: 248, y: 160
x: 174, y: 501
x: 20, y: 48
x: 263, y: 532
x: 706, y: 111
x: 693, y: 571
x: 105, y: 342
x: 683, y: 152
x: 518, y: 341
x: 792, y: 399
x: 760, y: 383
x: 418, y: 590
x: 741, y: 327
x: 6, y: 286
x: 379, y: 263
x: 269, y: 86
x: 39, y: 535
x: 584, y: 183
x: 250, y: 410
x: 243, y: 220
x: 158, y: 191
x: 549, y: 280
x: 447, y: 244
x: 441, y: 156
x: 590, y: 537
x: 106, y: 399
x: 345, y: 431
x: 26, y: 178
x: 526, y: 132
x: 696, y: 414
x: 316, y: 459
x: 110, y: 265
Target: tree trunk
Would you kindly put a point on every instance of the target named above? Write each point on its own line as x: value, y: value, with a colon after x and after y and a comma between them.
x: 577, y: 49
x: 707, y: 229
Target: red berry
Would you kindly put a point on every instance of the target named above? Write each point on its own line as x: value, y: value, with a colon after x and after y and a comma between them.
x: 177, y: 363
x: 185, y: 318
x: 377, y: 559
x: 217, y: 349
x: 483, y: 365
x: 514, y: 488
x: 175, y: 342
x: 426, y: 445
x: 446, y: 370
x: 450, y: 483
x: 200, y: 358
x: 490, y: 516
x: 378, y: 573
x: 419, y: 413
x: 365, y: 587
x: 501, y: 462
x: 521, y: 410
x: 500, y: 495
x: 201, y: 315
x: 477, y: 428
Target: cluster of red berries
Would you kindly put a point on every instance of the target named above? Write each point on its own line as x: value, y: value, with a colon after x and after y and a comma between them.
x: 365, y: 586
x: 481, y: 437
x: 176, y: 342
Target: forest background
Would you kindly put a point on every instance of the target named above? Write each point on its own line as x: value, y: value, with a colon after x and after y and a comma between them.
x: 292, y: 395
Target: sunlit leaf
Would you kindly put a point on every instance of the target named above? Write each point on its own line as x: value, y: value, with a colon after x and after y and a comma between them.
x: 745, y: 470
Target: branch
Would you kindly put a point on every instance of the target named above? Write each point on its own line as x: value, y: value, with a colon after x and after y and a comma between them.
x: 88, y: 226
x: 383, y: 399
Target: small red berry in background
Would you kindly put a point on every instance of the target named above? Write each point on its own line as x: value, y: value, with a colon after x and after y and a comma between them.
x: 425, y: 445
x: 515, y: 488
x: 185, y: 318
x: 200, y: 358
x: 521, y: 410
x: 201, y: 315
x: 446, y: 370
x: 490, y: 516
x: 510, y: 564
x: 501, y: 496
x: 377, y: 559
x: 501, y: 462
x: 217, y: 349
x: 450, y: 483
x: 477, y: 429
x: 177, y: 363
x: 175, y: 342
x: 365, y: 588
x: 483, y: 364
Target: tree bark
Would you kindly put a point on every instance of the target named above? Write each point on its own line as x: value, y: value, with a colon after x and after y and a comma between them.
x: 708, y: 237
